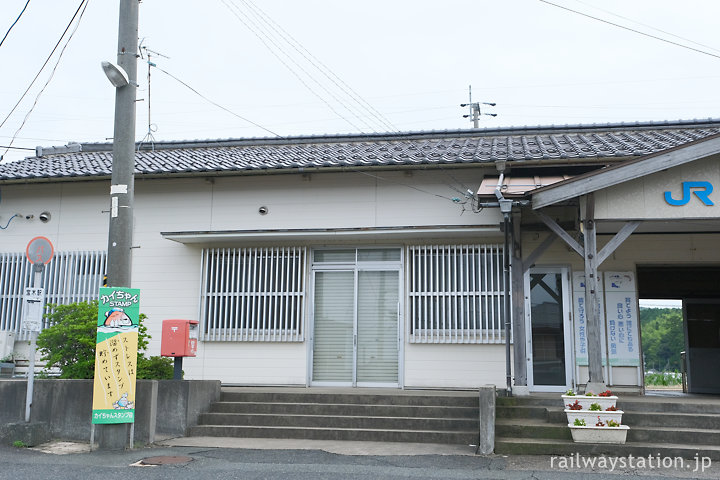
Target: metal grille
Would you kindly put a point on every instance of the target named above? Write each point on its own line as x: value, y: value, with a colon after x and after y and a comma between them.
x: 254, y: 294
x: 456, y: 294
x: 70, y: 277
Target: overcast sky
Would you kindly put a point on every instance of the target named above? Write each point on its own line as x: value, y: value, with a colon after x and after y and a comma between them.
x: 391, y: 65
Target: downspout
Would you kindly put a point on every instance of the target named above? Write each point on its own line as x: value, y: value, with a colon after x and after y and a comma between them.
x: 506, y: 210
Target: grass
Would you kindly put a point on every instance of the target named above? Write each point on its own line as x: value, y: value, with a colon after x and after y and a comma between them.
x: 664, y: 379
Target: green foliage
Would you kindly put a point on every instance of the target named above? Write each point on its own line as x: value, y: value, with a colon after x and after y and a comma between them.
x: 158, y: 368
x: 19, y: 444
x: 663, y: 338
x: 663, y: 378
x: 69, y: 344
x: 579, y: 422
x: 595, y: 407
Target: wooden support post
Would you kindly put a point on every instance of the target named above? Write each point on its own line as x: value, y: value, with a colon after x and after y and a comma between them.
x: 596, y: 382
x: 518, y: 311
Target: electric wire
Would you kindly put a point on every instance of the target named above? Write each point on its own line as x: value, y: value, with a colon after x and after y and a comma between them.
x: 297, y: 47
x: 16, y: 148
x: 216, y: 104
x: 47, y: 60
x: 649, y: 26
x: 8, y: 222
x: 13, y: 24
x: 631, y: 29
x: 84, y: 5
x: 275, y: 54
x: 322, y: 68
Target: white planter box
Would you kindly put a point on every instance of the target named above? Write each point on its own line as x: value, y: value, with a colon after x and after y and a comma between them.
x: 585, y: 402
x: 591, y: 417
x: 599, y: 434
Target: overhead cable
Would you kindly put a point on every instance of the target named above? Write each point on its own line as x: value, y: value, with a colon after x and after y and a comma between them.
x: 631, y: 29
x: 13, y: 24
x: 84, y: 5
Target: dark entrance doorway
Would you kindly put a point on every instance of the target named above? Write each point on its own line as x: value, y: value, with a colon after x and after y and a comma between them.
x: 699, y: 289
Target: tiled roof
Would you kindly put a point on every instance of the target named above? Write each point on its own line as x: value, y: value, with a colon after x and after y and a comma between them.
x: 547, y: 144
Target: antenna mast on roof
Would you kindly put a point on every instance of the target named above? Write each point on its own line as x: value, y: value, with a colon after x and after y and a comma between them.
x: 475, y: 109
x: 151, y: 126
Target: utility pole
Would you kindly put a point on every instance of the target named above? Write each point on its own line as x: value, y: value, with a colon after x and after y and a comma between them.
x: 122, y: 185
x: 122, y: 188
x: 475, y: 109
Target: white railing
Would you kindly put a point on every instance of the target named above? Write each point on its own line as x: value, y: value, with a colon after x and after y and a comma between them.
x: 253, y: 294
x: 69, y: 277
x: 456, y: 294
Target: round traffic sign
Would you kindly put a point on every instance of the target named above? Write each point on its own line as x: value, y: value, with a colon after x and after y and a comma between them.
x: 39, y: 250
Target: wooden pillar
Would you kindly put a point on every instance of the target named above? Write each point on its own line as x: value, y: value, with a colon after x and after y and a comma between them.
x: 596, y: 382
x: 518, y: 310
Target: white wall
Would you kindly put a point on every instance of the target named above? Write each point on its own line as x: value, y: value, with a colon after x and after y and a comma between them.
x: 454, y: 365
x: 168, y: 273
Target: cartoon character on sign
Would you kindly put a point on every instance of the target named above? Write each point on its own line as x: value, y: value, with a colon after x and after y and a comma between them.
x: 618, y: 280
x: 123, y: 403
x: 116, y: 318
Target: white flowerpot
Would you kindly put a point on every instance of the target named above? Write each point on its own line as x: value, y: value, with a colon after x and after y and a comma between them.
x: 599, y: 434
x: 585, y: 401
x: 591, y: 417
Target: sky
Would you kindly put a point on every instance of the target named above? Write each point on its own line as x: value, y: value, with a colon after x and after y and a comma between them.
x: 266, y: 68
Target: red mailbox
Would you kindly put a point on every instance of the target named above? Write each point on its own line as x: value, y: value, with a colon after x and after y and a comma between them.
x: 179, y: 338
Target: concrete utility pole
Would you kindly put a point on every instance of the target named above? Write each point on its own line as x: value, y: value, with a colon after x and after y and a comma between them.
x: 122, y: 186
x: 122, y: 189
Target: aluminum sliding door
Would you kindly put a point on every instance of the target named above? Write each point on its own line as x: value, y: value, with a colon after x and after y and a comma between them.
x: 356, y: 327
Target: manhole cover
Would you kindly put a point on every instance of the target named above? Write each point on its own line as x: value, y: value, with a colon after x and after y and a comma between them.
x: 165, y: 460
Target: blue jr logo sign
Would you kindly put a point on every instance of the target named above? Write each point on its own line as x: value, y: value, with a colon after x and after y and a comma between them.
x: 702, y: 191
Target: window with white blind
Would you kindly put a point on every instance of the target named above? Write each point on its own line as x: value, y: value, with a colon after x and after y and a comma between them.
x: 456, y: 294
x: 253, y: 294
x: 69, y: 277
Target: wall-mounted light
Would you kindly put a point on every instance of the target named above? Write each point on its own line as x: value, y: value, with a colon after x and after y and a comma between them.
x: 45, y: 217
x: 263, y: 210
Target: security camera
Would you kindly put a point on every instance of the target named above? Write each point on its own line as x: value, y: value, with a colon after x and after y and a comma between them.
x: 44, y: 217
x: 263, y: 210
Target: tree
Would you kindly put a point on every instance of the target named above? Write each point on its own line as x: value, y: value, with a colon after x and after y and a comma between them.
x: 69, y: 343
x: 663, y: 338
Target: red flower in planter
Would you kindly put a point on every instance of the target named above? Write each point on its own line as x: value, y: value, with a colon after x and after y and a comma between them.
x: 611, y: 408
x: 599, y: 423
x: 575, y: 406
x: 606, y: 393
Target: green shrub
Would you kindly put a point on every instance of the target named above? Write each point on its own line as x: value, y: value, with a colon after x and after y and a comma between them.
x: 156, y: 368
x: 69, y: 344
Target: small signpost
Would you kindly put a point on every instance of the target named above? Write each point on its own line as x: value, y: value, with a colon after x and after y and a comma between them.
x: 39, y: 252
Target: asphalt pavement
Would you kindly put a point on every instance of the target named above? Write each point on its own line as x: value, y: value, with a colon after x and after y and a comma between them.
x: 205, y: 459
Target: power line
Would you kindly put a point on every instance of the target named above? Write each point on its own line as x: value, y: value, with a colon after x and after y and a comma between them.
x: 13, y: 24
x: 631, y: 29
x: 648, y: 26
x: 215, y: 103
x: 322, y: 68
x: 44, y: 64
x: 259, y: 34
x: 84, y: 5
x: 8, y: 147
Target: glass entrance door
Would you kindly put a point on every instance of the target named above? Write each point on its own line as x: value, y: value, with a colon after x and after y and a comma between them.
x: 549, y: 365
x: 356, y: 327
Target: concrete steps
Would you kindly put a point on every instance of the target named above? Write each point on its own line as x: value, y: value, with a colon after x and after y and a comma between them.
x: 379, y: 415
x: 672, y: 426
